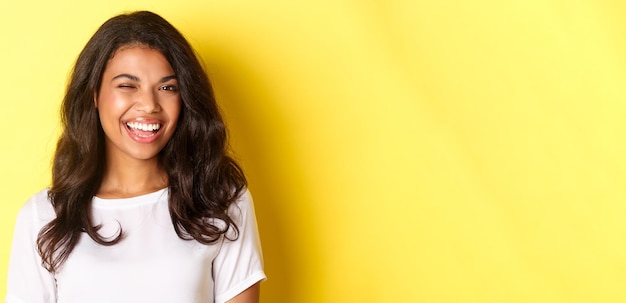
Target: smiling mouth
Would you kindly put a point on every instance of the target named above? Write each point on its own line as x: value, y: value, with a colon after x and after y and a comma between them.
x: 143, y: 130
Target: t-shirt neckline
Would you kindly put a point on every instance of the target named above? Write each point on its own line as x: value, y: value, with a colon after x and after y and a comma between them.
x: 148, y: 198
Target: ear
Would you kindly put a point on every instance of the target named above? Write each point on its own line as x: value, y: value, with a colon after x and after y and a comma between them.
x: 95, y: 100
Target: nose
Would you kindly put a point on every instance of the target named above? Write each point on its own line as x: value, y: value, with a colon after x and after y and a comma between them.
x: 148, y: 102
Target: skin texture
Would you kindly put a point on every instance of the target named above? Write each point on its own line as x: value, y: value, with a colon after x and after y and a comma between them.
x: 250, y: 295
x: 138, y: 85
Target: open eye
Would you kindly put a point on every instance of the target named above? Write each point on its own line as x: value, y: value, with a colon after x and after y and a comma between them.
x: 169, y: 87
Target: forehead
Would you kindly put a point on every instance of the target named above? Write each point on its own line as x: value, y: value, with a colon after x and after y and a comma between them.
x: 129, y: 46
x: 137, y: 58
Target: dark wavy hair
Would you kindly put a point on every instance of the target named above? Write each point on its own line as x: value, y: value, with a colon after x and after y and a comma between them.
x: 203, y: 180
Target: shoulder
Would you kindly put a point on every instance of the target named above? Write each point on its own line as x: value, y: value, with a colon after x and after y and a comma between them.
x: 242, y: 205
x: 244, y: 199
x: 37, y: 209
x: 242, y: 212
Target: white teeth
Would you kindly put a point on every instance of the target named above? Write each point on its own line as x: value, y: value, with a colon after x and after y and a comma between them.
x: 144, y: 126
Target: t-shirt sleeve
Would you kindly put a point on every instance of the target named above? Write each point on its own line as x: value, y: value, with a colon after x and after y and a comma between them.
x: 28, y: 281
x: 239, y: 264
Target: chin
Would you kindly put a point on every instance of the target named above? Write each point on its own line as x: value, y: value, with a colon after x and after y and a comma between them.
x: 144, y: 155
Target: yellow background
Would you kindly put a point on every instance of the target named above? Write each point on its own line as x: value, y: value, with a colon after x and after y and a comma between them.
x: 397, y: 150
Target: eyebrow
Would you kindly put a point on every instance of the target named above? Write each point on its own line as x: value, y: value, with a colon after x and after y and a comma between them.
x: 136, y: 79
x: 168, y: 78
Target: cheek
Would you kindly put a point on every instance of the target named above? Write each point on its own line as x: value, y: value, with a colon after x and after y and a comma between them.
x: 173, y: 111
x: 110, y: 104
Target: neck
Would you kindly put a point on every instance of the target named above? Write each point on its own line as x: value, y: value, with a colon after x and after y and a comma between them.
x: 124, y: 179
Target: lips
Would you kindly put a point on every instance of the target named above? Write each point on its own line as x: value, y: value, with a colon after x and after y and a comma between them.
x: 143, y: 131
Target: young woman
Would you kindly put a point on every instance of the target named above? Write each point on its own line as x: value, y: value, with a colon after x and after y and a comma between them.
x: 145, y: 204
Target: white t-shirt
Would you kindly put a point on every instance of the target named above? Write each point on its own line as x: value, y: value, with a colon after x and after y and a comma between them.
x: 151, y: 264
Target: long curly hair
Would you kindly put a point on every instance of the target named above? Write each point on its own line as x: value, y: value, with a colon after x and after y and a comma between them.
x: 203, y: 180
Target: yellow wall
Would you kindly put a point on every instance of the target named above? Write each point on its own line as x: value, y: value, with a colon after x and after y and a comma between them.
x: 397, y: 150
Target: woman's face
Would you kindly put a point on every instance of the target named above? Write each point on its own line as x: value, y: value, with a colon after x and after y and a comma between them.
x: 138, y: 103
